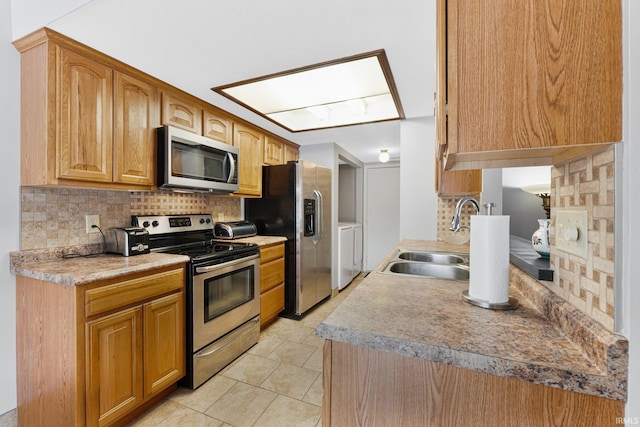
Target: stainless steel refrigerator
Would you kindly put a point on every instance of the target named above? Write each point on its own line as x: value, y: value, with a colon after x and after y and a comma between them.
x: 296, y: 204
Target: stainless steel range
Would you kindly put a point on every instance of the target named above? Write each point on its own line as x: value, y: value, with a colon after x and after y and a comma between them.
x: 223, y: 290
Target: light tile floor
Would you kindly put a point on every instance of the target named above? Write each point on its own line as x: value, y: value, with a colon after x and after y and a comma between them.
x: 278, y: 382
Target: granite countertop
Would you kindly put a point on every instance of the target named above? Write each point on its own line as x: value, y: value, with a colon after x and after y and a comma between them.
x: 80, y: 270
x: 545, y: 341
x: 262, y: 240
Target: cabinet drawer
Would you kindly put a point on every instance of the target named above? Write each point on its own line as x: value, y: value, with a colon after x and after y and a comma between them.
x: 271, y: 303
x: 109, y: 297
x: 271, y: 274
x: 270, y: 253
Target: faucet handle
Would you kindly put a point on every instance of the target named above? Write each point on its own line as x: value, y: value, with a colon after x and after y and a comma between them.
x: 489, y: 207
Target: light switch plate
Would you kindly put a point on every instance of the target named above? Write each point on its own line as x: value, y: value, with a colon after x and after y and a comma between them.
x: 567, y: 222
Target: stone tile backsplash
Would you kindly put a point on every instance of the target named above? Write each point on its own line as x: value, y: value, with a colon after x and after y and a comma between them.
x: 55, y: 217
x: 587, y: 183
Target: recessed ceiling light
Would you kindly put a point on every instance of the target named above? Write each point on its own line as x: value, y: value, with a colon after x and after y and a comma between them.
x: 348, y: 91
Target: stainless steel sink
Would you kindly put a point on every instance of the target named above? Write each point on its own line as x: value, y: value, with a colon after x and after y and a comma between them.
x: 429, y: 264
x: 425, y: 269
x: 434, y: 257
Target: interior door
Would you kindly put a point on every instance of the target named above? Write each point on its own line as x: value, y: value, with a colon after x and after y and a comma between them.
x: 382, y: 224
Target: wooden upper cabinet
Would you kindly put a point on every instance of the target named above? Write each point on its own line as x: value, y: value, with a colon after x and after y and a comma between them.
x: 290, y: 153
x: 84, y: 100
x: 181, y: 112
x: 249, y: 141
x: 136, y: 117
x: 273, y: 151
x: 86, y: 119
x: 217, y: 126
x: 526, y: 83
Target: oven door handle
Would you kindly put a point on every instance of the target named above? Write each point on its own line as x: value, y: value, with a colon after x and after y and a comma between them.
x: 208, y: 268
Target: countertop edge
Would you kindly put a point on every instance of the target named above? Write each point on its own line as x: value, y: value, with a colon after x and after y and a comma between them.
x: 119, y: 266
x: 530, y: 372
x: 261, y: 240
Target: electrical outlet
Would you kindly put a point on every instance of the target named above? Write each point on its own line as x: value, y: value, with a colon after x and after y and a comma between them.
x: 572, y: 232
x: 220, y: 216
x: 90, y: 221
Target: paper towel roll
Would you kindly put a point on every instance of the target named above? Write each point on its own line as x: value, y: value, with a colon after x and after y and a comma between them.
x: 489, y: 258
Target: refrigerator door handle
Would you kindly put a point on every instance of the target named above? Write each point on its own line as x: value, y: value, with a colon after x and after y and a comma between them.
x: 319, y: 211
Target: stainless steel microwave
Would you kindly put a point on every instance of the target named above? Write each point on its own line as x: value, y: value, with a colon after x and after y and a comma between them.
x: 193, y: 162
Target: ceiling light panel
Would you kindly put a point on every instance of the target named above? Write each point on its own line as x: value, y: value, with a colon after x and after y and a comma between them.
x: 349, y: 91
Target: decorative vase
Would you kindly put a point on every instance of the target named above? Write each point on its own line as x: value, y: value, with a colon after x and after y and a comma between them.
x: 540, y: 239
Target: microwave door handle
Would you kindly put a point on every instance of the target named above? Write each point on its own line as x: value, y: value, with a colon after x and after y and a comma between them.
x: 228, y: 158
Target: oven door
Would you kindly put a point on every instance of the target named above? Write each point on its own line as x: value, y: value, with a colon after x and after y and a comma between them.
x: 224, y: 297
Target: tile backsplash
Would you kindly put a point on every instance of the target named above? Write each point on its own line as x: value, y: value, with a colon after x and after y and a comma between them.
x: 587, y: 183
x: 55, y: 217
x: 583, y: 183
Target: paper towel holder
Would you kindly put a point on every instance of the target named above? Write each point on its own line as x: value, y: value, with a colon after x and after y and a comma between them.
x: 511, y: 304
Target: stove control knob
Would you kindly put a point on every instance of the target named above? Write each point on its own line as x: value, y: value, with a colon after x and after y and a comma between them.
x: 155, y: 223
x: 208, y: 220
x: 145, y: 224
x: 202, y: 221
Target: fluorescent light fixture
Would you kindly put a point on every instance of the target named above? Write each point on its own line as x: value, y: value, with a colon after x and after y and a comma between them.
x: 348, y: 91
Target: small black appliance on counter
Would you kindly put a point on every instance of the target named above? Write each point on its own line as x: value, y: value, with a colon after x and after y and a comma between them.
x: 234, y: 230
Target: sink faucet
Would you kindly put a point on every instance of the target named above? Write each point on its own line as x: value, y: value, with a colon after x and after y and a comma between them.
x: 455, y: 221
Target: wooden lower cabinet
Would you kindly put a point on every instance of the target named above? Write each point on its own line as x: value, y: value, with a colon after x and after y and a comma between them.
x: 98, y: 354
x: 368, y: 387
x: 114, y: 366
x: 271, y: 282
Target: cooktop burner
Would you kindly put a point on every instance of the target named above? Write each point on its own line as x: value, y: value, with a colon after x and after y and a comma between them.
x: 190, y: 235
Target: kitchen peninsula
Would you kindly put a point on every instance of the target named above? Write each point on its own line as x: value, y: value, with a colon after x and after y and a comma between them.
x: 409, y: 350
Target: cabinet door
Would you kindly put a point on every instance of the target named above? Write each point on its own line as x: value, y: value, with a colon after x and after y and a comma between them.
x: 271, y: 303
x: 290, y: 153
x: 84, y: 100
x: 249, y: 141
x: 218, y: 127
x: 537, y: 78
x: 164, y: 347
x: 136, y: 117
x: 114, y: 366
x: 273, y: 151
x: 181, y: 112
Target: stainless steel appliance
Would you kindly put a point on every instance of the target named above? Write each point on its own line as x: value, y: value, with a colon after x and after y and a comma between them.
x: 296, y: 204
x: 127, y: 241
x: 223, y: 291
x: 194, y: 162
x: 234, y: 229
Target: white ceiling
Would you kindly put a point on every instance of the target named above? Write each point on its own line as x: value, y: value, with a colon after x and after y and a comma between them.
x: 197, y: 44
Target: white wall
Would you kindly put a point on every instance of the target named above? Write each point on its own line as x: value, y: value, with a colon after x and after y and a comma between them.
x: 10, y: 206
x: 418, y: 199
x: 628, y: 312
